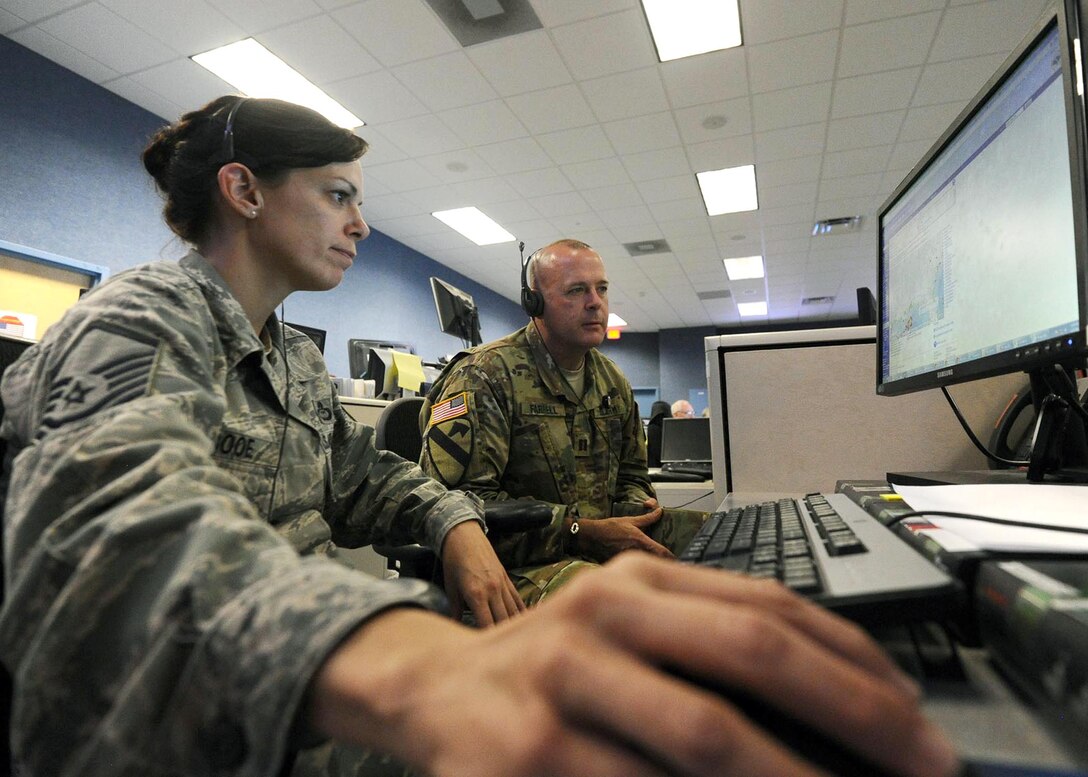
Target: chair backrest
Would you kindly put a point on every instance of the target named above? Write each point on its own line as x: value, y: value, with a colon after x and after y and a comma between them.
x: 397, y: 429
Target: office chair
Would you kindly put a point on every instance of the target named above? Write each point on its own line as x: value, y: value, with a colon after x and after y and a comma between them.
x: 658, y: 410
x: 398, y: 431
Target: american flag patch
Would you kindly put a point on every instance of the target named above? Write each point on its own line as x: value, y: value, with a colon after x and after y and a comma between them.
x: 453, y: 407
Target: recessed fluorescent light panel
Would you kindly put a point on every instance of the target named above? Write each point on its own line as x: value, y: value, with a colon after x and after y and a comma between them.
x: 257, y: 72
x: 474, y: 225
x: 614, y: 321
x: 744, y: 267
x: 683, y: 28
x: 731, y: 190
x: 752, y: 308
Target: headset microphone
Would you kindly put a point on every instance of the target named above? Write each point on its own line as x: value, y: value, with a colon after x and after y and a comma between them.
x: 532, y: 301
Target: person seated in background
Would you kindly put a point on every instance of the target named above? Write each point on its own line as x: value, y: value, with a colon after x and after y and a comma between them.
x: 178, y: 466
x: 543, y: 414
x: 681, y: 408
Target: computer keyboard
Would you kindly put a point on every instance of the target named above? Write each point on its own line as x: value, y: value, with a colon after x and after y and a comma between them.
x: 829, y: 549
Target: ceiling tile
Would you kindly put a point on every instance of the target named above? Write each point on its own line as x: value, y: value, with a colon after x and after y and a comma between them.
x: 513, y: 156
x: 557, y: 108
x: 838, y: 164
x: 320, y: 48
x: 9, y: 22
x: 456, y: 166
x: 600, y: 172
x: 707, y: 78
x: 422, y: 135
x: 629, y: 94
x: 536, y: 183
x: 877, y: 93
x: 64, y: 55
x: 132, y: 90
x: 956, y: 81
x: 874, y: 129
x: 886, y: 45
x: 95, y: 30
x: 984, y: 28
x: 929, y: 121
x: 397, y: 31
x: 623, y: 195
x: 662, y: 163
x: 376, y: 98
x: 791, y: 107
x: 446, y: 81
x: 789, y: 171
x: 182, y: 83
x: 577, y: 145
x: 484, y: 123
x: 776, y: 145
x: 259, y: 15
x: 707, y: 123
x: 677, y: 187
x: 195, y: 26
x: 36, y: 10
x: 645, y: 133
x: 768, y: 20
x: 606, y: 44
x: 521, y: 63
x: 727, y: 152
x: 793, y: 62
x: 557, y: 12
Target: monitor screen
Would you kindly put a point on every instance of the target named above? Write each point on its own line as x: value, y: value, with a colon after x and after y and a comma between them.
x: 359, y: 354
x: 457, y: 313
x: 685, y: 439
x: 315, y: 334
x: 982, y: 247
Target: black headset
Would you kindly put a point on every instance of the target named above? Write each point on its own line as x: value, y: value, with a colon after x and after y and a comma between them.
x: 532, y: 301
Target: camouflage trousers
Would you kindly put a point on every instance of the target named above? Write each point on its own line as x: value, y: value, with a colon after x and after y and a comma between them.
x: 534, y: 584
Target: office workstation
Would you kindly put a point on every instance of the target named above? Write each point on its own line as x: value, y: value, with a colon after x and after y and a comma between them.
x: 774, y: 429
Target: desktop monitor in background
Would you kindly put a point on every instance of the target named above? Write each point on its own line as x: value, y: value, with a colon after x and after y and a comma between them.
x: 685, y: 440
x: 982, y: 249
x: 457, y: 313
x: 315, y: 334
x: 359, y: 354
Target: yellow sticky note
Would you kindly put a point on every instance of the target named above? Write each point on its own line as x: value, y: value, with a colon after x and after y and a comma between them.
x: 409, y: 370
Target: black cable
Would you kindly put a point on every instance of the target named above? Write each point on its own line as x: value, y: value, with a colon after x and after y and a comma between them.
x: 691, y: 501
x: 286, y: 410
x: 975, y: 440
x: 985, y: 519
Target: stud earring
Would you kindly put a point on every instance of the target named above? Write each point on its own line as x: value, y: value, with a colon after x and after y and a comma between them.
x: 252, y: 214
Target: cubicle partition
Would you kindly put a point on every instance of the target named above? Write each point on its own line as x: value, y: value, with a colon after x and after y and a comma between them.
x: 796, y: 411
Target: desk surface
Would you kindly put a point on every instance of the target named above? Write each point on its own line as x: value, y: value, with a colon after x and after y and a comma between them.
x: 984, y: 717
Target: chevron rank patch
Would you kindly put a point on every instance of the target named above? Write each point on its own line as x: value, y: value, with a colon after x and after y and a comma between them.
x: 109, y: 368
x: 454, y: 407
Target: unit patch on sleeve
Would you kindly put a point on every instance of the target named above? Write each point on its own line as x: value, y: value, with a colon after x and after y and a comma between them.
x: 448, y: 447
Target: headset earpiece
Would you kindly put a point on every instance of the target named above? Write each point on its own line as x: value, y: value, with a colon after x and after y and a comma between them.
x: 532, y: 301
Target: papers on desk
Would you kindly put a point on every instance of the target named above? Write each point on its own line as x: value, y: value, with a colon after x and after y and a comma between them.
x: 1037, y: 503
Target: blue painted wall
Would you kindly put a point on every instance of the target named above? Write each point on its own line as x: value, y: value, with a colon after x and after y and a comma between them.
x: 71, y: 183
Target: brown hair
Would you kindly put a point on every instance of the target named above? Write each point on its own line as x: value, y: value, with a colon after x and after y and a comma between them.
x: 271, y: 137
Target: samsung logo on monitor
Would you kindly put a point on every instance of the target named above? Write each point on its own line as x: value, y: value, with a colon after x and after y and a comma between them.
x: 945, y: 373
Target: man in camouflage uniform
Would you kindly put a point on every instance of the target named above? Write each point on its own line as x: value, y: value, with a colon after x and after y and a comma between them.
x: 159, y: 455
x: 542, y: 413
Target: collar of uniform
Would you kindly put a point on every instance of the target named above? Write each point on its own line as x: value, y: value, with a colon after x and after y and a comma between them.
x: 235, y: 332
x: 550, y: 372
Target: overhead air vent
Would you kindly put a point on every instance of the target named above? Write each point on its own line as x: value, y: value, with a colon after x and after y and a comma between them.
x: 706, y: 296
x: 646, y: 247
x: 838, y: 226
x: 817, y: 300
x: 480, y: 21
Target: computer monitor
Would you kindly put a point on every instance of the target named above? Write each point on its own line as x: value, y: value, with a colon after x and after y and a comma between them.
x: 359, y: 354
x: 982, y: 248
x: 685, y: 439
x: 11, y: 348
x: 315, y: 334
x: 457, y: 313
